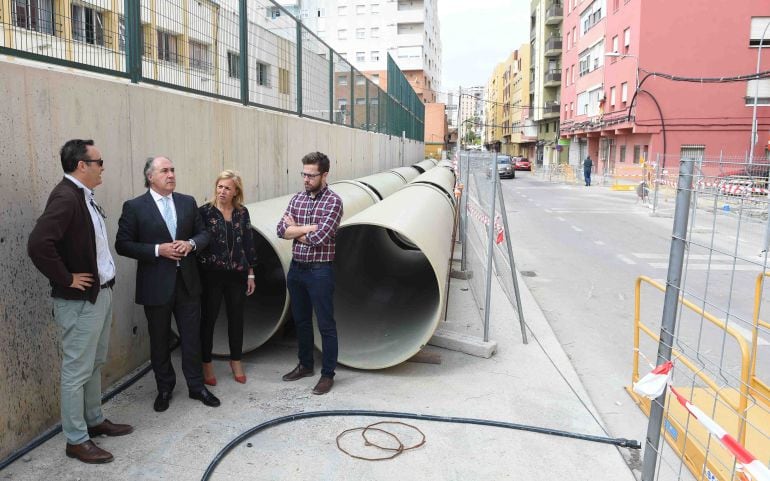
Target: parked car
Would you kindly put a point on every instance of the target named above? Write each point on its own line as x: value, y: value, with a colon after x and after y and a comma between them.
x: 505, y: 167
x: 521, y: 163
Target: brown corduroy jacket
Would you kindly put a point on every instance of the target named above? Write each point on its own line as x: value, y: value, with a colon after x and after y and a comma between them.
x: 63, y: 242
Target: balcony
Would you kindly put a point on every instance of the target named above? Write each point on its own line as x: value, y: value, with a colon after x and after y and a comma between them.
x: 551, y: 109
x: 553, y: 78
x: 532, y: 34
x: 555, y: 14
x: 553, y: 47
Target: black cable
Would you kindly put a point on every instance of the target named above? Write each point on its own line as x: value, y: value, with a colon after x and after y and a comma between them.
x: 53, y: 431
x: 621, y: 442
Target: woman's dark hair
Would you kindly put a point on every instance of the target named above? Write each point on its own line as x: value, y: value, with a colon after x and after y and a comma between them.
x: 72, y: 152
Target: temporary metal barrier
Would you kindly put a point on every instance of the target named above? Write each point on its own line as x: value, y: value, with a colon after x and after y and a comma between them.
x: 713, y: 293
x: 485, y: 235
x: 268, y: 308
x: 391, y: 273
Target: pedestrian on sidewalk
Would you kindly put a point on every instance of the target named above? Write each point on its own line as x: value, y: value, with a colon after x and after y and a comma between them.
x: 159, y: 229
x: 588, y: 164
x: 69, y: 245
x: 227, y: 270
x: 311, y: 221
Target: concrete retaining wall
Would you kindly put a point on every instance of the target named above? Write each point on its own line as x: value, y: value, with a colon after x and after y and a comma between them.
x: 41, y: 108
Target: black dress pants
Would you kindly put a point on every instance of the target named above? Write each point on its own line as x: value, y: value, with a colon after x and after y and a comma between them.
x: 186, y: 309
x: 230, y: 285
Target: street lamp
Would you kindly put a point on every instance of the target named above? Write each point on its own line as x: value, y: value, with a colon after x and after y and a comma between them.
x: 753, y: 143
x: 624, y: 55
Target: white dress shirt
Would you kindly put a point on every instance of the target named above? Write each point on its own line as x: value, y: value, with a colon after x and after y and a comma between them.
x: 104, y: 261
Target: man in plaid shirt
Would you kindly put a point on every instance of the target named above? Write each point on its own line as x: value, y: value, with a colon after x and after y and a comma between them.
x: 311, y: 222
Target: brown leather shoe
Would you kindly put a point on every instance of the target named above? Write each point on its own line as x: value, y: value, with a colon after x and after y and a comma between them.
x: 324, y: 385
x: 298, y: 373
x: 88, y: 452
x: 109, y: 429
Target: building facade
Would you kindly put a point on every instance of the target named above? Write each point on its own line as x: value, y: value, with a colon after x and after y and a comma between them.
x: 510, y: 125
x: 365, y: 31
x: 546, y: 18
x: 610, y: 48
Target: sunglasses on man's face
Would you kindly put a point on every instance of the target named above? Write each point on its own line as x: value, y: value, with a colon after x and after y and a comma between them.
x: 98, y: 161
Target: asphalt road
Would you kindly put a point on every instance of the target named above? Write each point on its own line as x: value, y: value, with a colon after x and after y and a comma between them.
x: 580, y: 250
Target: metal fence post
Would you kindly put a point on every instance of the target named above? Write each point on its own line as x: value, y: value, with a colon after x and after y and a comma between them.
x: 658, y: 178
x: 490, y: 246
x: 670, y: 303
x: 366, y: 85
x: 299, y: 68
x: 465, y: 167
x: 243, y: 59
x: 133, y: 39
x: 515, y: 279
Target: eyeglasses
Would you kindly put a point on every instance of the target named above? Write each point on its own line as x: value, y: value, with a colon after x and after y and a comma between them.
x: 309, y: 176
x: 98, y: 161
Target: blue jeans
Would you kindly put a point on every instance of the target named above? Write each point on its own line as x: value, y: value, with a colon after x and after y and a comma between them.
x: 311, y: 288
x: 587, y: 175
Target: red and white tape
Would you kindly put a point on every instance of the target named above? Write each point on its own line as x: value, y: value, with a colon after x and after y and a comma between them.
x: 484, y: 219
x: 653, y: 384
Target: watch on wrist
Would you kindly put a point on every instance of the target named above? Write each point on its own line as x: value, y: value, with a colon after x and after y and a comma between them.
x: 192, y: 243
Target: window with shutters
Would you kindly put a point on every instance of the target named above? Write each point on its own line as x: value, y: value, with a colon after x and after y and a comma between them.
x: 692, y: 152
x: 87, y: 25
x: 758, y: 90
x: 758, y: 25
x: 34, y: 15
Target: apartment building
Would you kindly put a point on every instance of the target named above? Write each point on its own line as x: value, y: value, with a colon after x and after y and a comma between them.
x: 510, y: 127
x: 192, y: 44
x: 546, y: 18
x: 611, y: 46
x: 365, y: 31
x: 493, y: 120
x: 471, y: 111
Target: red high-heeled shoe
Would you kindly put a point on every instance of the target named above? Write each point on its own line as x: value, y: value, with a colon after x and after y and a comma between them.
x: 240, y: 379
x: 209, y: 381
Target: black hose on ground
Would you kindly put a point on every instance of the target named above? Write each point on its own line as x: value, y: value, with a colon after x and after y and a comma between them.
x: 621, y: 442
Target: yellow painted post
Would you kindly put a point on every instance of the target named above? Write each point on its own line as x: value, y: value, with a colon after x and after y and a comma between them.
x: 63, y: 10
x: 5, y: 18
x: 215, y: 43
x: 153, y: 39
x: 184, y: 49
x: 114, y: 25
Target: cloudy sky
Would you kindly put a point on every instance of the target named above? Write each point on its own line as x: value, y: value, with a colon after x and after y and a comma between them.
x: 478, y: 34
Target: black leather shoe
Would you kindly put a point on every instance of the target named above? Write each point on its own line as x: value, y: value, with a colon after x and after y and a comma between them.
x: 161, y: 402
x: 205, y: 397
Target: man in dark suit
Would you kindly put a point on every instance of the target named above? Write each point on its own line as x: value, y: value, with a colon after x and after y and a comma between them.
x: 159, y: 229
x: 69, y: 246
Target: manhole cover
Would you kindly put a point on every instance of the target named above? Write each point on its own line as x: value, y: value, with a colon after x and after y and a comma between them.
x: 529, y: 273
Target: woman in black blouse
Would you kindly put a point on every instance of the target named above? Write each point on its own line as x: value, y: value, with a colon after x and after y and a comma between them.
x: 227, y: 269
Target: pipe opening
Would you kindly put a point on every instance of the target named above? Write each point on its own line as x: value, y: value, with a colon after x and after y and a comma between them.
x: 387, y: 299
x: 263, y: 310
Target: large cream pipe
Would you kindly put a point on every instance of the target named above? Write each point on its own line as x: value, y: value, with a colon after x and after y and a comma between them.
x: 268, y: 308
x: 391, y: 269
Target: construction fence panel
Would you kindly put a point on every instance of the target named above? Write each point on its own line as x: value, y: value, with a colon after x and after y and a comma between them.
x: 487, y: 255
x: 712, y: 321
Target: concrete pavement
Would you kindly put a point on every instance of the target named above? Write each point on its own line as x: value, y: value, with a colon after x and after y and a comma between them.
x: 532, y: 384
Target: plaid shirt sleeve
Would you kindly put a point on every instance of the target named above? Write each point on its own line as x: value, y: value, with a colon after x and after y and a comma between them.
x: 281, y: 227
x: 329, y: 217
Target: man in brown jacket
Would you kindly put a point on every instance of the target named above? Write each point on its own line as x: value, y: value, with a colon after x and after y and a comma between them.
x: 69, y: 246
